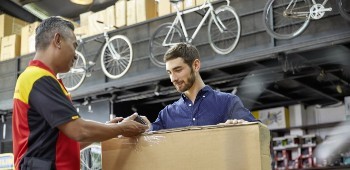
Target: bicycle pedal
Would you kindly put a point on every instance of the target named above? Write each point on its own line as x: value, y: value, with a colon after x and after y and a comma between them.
x: 91, y: 63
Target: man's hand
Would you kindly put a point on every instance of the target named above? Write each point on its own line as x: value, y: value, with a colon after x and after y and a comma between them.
x: 132, y: 128
x: 235, y: 121
x: 115, y: 120
x: 149, y: 124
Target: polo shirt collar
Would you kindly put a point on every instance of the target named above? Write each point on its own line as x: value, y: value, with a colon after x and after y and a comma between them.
x: 38, y: 63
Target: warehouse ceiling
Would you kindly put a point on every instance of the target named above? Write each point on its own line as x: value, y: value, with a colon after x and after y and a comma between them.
x: 65, y: 8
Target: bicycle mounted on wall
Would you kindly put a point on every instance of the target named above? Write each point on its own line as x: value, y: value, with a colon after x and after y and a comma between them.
x: 286, y: 19
x: 116, y: 57
x: 224, y: 30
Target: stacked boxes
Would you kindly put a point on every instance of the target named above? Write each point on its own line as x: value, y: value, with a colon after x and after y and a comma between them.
x: 120, y: 11
x: 28, y: 38
x: 10, y: 47
x: 131, y: 12
x: 146, y: 9
x: 10, y: 25
x: 164, y: 7
x: 10, y: 40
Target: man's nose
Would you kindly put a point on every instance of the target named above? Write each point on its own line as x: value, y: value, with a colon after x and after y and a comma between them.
x: 173, y: 78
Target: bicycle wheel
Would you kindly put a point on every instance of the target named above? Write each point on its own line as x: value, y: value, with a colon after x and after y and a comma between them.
x: 90, y: 158
x: 282, y: 23
x: 116, y: 56
x: 76, y: 75
x: 344, y: 8
x: 157, y: 50
x: 224, y: 35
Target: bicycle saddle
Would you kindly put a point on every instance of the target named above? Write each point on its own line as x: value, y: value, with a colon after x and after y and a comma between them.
x: 175, y: 1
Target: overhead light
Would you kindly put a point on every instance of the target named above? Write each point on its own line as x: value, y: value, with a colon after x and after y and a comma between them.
x: 82, y: 2
x: 36, y: 11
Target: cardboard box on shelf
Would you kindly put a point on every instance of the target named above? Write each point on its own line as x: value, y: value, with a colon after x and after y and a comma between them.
x: 84, y: 18
x: 180, y: 6
x: 206, y: 148
x: 189, y: 4
x: 164, y: 7
x: 28, y: 38
x: 94, y: 26
x: 81, y: 32
x: 110, y: 17
x: 200, y: 2
x: 131, y: 12
x: 146, y: 9
x: 10, y: 25
x: 275, y: 118
x: 120, y: 12
x: 10, y: 47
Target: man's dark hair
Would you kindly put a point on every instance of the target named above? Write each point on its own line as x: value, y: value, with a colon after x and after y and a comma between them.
x: 185, y: 51
x: 48, y: 28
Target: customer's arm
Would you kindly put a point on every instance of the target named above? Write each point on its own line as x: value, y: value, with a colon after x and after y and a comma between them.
x: 90, y: 131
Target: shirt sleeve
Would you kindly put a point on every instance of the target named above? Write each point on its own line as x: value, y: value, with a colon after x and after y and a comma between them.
x: 158, y: 123
x: 48, y: 99
x: 238, y: 111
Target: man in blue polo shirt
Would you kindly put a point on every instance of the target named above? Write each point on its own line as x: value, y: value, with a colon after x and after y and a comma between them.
x: 199, y: 104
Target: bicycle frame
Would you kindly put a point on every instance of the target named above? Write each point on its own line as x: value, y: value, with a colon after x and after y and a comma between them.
x: 207, y: 4
x: 305, y: 13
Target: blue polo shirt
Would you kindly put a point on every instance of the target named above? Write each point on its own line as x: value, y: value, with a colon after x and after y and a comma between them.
x: 210, y: 108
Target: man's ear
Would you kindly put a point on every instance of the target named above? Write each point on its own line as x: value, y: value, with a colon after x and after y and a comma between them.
x: 196, y: 64
x: 57, y: 40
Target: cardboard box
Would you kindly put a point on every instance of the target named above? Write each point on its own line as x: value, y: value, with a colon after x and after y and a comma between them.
x: 203, y: 148
x: 164, y: 7
x: 146, y: 9
x: 200, y: 2
x: 95, y: 27
x: 10, y: 47
x: 120, y: 12
x: 84, y: 18
x: 28, y: 38
x: 189, y: 4
x: 110, y: 17
x: 131, y: 12
x: 275, y: 118
x: 180, y: 6
x: 10, y: 25
x: 81, y: 32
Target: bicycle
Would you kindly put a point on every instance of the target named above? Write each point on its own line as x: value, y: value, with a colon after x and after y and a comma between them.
x: 286, y: 19
x: 224, y: 30
x: 116, y: 58
x: 90, y: 158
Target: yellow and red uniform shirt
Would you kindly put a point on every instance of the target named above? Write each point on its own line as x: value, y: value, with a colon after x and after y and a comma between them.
x: 41, y: 104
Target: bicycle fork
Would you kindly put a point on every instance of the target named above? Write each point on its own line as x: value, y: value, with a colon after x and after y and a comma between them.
x: 114, y: 53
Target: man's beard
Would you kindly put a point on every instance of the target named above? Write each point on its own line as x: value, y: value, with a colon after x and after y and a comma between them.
x: 190, y: 81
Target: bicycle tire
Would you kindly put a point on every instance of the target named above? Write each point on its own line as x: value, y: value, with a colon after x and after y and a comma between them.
x: 157, y: 50
x: 344, y: 9
x: 116, y: 60
x: 226, y: 41
x: 90, y: 158
x: 285, y: 27
x: 76, y: 75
